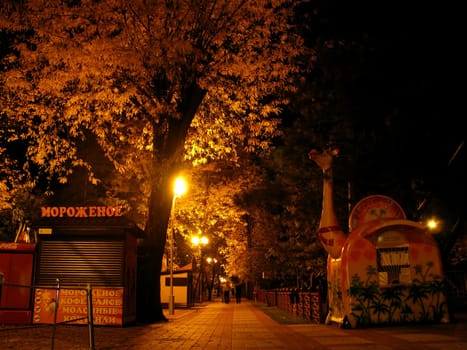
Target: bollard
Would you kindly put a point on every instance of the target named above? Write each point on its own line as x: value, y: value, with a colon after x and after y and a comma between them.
x: 90, y: 318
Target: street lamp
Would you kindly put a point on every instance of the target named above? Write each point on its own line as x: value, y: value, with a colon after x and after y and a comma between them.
x: 199, y: 241
x: 212, y: 262
x: 179, y: 190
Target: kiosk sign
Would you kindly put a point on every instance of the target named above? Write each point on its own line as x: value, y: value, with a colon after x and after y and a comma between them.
x: 80, y: 212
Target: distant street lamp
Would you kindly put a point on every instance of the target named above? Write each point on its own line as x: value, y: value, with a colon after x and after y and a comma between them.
x: 212, y: 262
x: 179, y: 190
x: 199, y: 242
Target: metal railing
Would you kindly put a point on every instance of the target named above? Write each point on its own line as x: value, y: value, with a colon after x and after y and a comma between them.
x: 56, y: 303
x: 308, y: 305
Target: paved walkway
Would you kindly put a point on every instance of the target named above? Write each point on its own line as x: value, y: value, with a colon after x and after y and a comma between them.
x: 236, y: 326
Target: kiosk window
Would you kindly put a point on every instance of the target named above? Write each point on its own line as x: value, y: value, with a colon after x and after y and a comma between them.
x: 393, y: 265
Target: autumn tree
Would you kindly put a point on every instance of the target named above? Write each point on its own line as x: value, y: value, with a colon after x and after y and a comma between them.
x: 209, y: 209
x: 152, y: 82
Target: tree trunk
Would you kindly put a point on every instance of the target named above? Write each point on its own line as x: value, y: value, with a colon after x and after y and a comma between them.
x: 167, y: 156
x: 152, y: 252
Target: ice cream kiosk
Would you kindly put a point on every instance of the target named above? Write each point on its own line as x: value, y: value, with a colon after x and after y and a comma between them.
x: 387, y: 270
x: 84, y: 248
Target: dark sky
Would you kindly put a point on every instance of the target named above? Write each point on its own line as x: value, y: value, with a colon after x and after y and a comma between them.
x: 413, y: 71
x: 420, y: 61
x: 414, y: 66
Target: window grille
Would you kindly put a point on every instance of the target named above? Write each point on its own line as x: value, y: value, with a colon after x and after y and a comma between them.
x: 393, y: 265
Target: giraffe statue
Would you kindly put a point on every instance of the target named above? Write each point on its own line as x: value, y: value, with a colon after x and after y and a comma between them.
x: 382, y: 251
x: 330, y: 234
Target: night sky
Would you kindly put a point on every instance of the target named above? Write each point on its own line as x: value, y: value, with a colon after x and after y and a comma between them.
x: 412, y: 74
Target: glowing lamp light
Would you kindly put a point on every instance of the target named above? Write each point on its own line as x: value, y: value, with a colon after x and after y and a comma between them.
x: 180, y: 187
x: 197, y: 240
x: 432, y: 224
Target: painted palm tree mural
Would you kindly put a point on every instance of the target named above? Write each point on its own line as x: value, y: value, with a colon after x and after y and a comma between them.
x: 387, y: 270
x: 421, y: 301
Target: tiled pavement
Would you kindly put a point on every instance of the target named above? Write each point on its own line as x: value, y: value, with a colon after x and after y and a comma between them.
x: 235, y: 326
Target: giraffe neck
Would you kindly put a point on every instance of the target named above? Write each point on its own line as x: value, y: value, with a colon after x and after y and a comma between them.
x: 328, y: 215
x: 330, y: 233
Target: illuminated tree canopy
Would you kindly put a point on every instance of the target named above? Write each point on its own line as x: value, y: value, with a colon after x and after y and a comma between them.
x: 153, y: 83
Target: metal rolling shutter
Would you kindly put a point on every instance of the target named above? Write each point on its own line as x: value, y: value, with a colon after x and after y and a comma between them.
x: 99, y: 263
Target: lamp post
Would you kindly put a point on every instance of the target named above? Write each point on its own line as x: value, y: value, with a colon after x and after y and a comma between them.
x: 212, y: 262
x: 199, y: 241
x: 179, y: 189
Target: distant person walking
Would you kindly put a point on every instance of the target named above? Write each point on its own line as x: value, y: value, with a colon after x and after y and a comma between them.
x: 238, y: 293
x: 226, y: 292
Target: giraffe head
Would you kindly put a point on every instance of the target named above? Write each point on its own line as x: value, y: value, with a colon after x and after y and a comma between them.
x: 323, y: 158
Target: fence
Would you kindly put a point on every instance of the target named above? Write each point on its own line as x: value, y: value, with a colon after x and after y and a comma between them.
x: 313, y: 305
x: 54, y: 305
x: 308, y: 305
x: 457, y: 289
